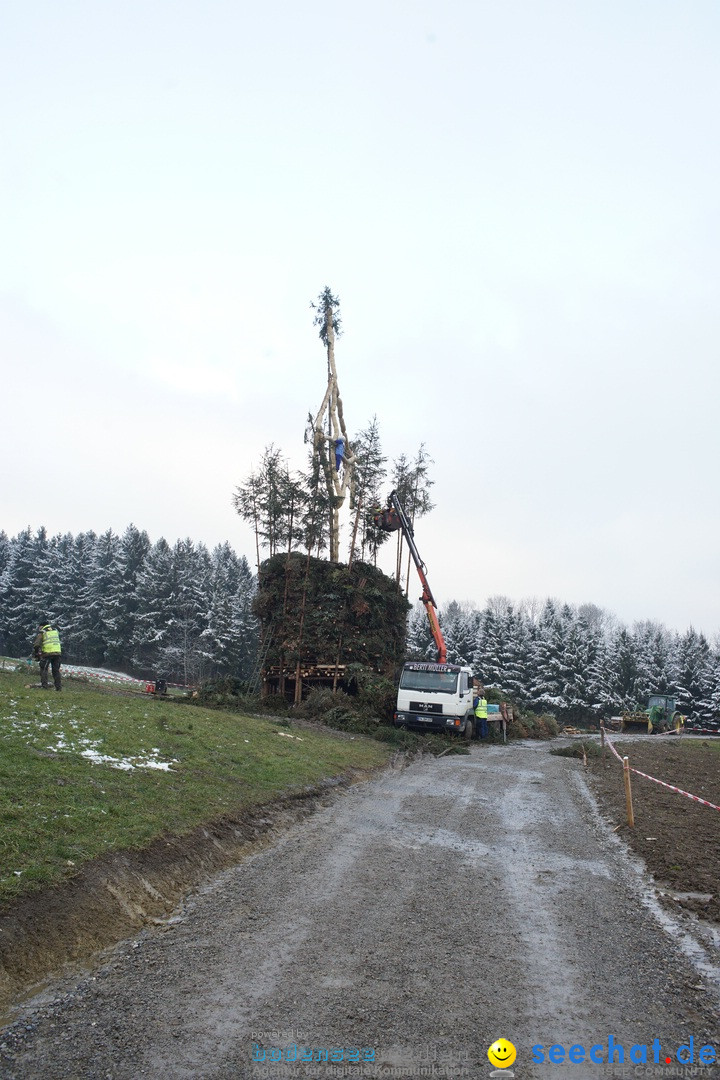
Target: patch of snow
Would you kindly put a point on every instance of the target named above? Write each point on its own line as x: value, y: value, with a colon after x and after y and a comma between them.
x: 127, y: 764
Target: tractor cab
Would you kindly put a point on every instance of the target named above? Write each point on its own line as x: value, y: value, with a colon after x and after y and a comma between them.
x: 660, y: 715
x: 661, y: 712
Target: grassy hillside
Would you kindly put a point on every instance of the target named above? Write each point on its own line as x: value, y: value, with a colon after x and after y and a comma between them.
x: 89, y: 771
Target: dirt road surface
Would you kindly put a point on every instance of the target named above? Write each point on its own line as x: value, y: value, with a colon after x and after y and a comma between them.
x: 409, y: 924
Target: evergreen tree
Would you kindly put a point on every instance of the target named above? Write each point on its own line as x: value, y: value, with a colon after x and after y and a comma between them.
x: 59, y: 598
x: 180, y: 650
x: 21, y: 607
x: 46, y: 579
x: 365, y: 492
x: 653, y: 659
x: 5, y: 551
x: 601, y: 679
x: 272, y: 501
x: 231, y: 636
x: 458, y: 625
x: 515, y: 657
x: 692, y: 689
x: 420, y: 644
x: 411, y: 482
x: 245, y: 627
x: 710, y: 715
x: 222, y: 584
x: 623, y: 670
x: 101, y: 598
x: 487, y: 654
x: 156, y: 606
x: 133, y: 549
x: 580, y: 652
x: 546, y: 689
x: 313, y: 522
x: 77, y: 641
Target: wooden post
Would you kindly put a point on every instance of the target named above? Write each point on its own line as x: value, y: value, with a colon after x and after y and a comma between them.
x: 628, y: 793
x: 504, y: 715
x: 602, y: 742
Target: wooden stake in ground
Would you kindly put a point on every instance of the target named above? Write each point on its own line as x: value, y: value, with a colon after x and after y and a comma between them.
x: 331, y: 445
x: 628, y: 793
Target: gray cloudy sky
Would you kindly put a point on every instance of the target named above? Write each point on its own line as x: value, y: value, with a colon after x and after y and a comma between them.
x: 516, y: 201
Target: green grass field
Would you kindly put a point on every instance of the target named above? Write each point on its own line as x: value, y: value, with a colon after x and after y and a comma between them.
x: 88, y: 771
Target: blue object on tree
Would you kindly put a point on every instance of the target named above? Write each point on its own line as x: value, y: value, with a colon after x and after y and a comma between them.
x: 339, y: 451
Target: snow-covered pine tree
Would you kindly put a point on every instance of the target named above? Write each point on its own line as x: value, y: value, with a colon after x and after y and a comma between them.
x: 156, y: 606
x: 419, y: 642
x: 133, y: 548
x: 690, y: 661
x: 458, y: 625
x: 180, y: 652
x: 653, y: 658
x: 231, y: 637
x: 101, y: 598
x: 487, y: 653
x: 245, y: 627
x: 515, y: 660
x: 622, y: 669
x: 20, y: 607
x: 546, y: 680
x: 77, y: 641
x: 710, y: 716
x: 580, y: 652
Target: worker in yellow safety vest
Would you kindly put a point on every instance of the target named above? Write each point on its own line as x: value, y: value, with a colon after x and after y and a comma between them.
x: 47, y: 650
x: 481, y: 712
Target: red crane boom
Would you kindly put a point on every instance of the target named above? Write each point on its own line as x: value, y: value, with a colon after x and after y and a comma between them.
x: 391, y: 519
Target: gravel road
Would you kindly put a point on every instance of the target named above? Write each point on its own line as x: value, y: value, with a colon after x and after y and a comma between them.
x: 415, y: 919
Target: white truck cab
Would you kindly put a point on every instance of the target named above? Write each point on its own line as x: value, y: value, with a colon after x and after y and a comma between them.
x: 436, y: 697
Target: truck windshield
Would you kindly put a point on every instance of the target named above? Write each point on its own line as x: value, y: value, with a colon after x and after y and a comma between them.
x: 437, y: 682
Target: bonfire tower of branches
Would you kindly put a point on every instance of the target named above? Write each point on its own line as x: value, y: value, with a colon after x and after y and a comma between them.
x: 331, y: 446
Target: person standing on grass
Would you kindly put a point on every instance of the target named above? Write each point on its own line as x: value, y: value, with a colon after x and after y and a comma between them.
x: 46, y: 649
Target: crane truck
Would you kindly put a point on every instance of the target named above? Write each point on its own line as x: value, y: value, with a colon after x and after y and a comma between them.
x: 432, y: 696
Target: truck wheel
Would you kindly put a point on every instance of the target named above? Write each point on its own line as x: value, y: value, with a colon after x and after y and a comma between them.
x: 468, y: 730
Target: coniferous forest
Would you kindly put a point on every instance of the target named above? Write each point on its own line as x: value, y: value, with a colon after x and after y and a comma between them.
x: 185, y: 613
x: 576, y: 662
x: 122, y: 602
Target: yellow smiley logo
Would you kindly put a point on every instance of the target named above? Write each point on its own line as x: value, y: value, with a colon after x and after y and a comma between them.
x: 502, y: 1054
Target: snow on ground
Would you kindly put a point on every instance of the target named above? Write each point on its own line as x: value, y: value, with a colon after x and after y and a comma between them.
x: 65, y: 734
x: 80, y: 671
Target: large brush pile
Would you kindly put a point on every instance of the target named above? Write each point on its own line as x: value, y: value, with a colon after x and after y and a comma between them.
x: 315, y: 612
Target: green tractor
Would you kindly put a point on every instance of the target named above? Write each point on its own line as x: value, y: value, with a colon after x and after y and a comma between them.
x: 660, y: 715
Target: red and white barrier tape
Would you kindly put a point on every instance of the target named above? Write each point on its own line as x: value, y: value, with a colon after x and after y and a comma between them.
x: 695, y: 798
x: 670, y: 787
x: 607, y: 740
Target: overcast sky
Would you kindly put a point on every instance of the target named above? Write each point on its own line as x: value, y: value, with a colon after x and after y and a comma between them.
x: 517, y: 203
